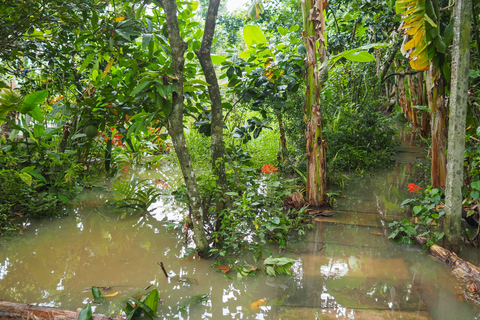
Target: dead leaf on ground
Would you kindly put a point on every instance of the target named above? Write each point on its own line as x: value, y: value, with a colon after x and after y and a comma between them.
x: 257, y: 304
x: 224, y: 269
x: 377, y: 233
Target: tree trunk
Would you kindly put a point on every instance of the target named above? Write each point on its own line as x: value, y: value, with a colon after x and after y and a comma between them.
x: 283, y: 140
x: 175, y: 125
x: 314, y: 25
x: 456, y: 126
x: 203, y: 54
x: 436, y: 103
x: 14, y: 310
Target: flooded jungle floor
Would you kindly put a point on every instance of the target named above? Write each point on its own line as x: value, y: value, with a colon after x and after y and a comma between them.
x: 345, y: 267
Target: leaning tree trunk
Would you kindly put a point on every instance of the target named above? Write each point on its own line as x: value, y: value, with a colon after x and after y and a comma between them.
x: 203, y: 54
x: 456, y: 126
x: 175, y: 125
x: 314, y: 26
x: 436, y: 103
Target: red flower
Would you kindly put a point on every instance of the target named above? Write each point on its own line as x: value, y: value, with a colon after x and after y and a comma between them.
x: 413, y: 187
x: 268, y: 168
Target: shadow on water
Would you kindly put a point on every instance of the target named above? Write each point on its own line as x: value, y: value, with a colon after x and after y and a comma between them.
x: 345, y: 268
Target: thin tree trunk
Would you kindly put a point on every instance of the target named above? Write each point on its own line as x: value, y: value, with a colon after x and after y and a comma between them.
x: 313, y: 22
x: 436, y: 103
x: 203, y: 54
x: 283, y: 139
x: 456, y: 126
x: 175, y: 125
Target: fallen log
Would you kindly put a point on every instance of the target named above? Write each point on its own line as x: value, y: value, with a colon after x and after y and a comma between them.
x: 464, y: 271
x: 450, y: 258
x: 14, y: 310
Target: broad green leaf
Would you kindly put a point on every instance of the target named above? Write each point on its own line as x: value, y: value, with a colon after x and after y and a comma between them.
x: 198, y: 81
x: 97, y: 295
x: 33, y: 100
x: 145, y: 308
x: 86, y: 313
x: 146, y: 38
x: 152, y: 300
x: 360, y: 56
x: 37, y: 114
x: 64, y: 199
x: 26, y: 178
x: 378, y: 45
x: 253, y: 35
x: 476, y: 185
x: 218, y: 59
x: 140, y: 87
x: 283, y: 31
x: 38, y: 130
x: 423, y: 108
x: 271, y: 271
x: 87, y: 61
x: 28, y: 169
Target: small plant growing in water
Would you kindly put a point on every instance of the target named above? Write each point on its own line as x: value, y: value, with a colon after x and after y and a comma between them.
x: 135, y: 193
x: 427, y: 210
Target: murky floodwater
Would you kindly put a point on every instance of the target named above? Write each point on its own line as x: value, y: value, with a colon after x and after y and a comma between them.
x: 345, y: 268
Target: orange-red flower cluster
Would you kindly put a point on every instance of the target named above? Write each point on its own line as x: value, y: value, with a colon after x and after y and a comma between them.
x: 268, y: 168
x: 413, y: 187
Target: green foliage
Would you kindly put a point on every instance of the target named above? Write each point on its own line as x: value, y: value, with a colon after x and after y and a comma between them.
x: 86, y: 313
x: 134, y: 308
x: 427, y: 212
x: 280, y: 265
x: 358, y: 135
x: 135, y: 193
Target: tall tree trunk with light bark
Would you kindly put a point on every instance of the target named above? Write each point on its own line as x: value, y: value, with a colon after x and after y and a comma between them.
x: 175, y: 125
x: 314, y: 26
x: 456, y: 127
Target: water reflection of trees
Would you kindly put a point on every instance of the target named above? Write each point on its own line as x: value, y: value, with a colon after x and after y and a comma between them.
x: 58, y: 260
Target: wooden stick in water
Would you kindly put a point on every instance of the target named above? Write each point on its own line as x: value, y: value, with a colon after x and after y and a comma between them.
x: 163, y: 269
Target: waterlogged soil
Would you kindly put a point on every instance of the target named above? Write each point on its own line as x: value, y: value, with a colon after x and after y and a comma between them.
x: 345, y: 268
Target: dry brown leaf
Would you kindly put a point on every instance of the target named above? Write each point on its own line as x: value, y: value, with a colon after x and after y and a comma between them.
x: 257, y: 304
x: 377, y: 233
x: 224, y: 269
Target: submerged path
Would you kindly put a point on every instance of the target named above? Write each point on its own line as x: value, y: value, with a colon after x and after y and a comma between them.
x: 345, y: 268
x: 352, y: 271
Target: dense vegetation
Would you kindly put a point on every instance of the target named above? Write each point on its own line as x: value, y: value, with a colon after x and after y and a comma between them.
x: 92, y: 90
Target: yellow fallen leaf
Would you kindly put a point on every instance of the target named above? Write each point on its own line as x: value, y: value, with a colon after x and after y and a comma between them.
x: 377, y: 233
x: 111, y: 295
x: 118, y: 19
x: 257, y: 304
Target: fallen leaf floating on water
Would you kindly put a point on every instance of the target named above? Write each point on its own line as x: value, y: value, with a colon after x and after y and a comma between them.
x: 111, y: 295
x: 377, y: 233
x: 224, y: 269
x: 257, y: 304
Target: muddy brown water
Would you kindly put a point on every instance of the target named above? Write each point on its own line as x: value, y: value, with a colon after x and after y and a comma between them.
x: 345, y: 267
